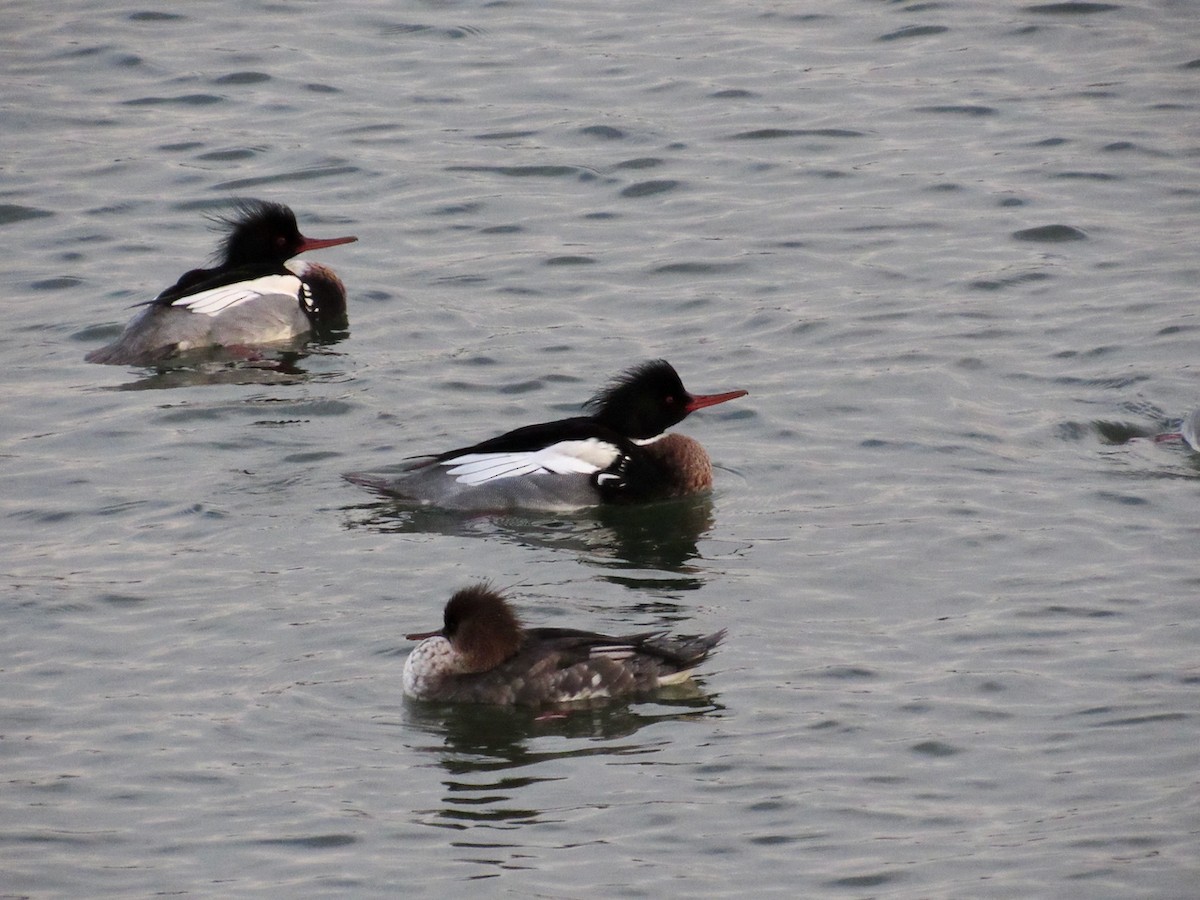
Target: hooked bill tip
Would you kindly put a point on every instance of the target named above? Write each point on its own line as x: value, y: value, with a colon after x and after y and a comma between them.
x: 699, y: 401
x: 321, y: 243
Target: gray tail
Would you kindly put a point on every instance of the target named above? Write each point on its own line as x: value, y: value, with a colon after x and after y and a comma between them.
x: 686, y: 652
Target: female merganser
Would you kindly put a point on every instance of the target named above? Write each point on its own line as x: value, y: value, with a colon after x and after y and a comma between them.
x: 618, y: 454
x: 1189, y: 431
x: 482, y: 654
x: 255, y: 296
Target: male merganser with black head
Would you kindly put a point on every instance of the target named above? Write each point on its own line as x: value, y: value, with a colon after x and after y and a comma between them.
x: 1189, y: 431
x: 482, y: 654
x: 255, y: 296
x: 620, y: 453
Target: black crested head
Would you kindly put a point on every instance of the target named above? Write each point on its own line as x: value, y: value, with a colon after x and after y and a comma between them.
x: 642, y: 402
x: 260, y: 232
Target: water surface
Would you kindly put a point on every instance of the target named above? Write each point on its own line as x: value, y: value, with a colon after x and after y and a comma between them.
x: 948, y: 248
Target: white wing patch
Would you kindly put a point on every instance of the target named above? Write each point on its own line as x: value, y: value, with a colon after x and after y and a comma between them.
x: 675, y: 677
x: 564, y: 458
x: 215, y: 301
x: 646, y: 442
x: 612, y: 651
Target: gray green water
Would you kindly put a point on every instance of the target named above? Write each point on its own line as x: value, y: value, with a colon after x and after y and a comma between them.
x: 950, y: 250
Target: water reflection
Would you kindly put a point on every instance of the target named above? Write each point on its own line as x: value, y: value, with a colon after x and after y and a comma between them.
x: 662, y: 537
x: 278, y: 366
x: 480, y: 746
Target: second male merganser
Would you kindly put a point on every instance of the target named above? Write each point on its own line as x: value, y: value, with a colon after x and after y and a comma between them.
x: 482, y: 654
x: 620, y: 453
x: 254, y: 297
x: 1189, y: 431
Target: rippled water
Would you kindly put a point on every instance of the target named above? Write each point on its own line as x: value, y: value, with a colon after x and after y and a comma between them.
x: 948, y: 248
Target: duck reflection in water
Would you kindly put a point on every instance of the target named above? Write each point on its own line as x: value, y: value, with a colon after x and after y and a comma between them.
x: 478, y: 743
x: 276, y: 366
x: 497, y: 758
x: 653, y: 538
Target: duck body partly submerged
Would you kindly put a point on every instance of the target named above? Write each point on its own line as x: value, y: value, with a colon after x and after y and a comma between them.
x: 482, y: 654
x: 258, y: 296
x: 622, y: 453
